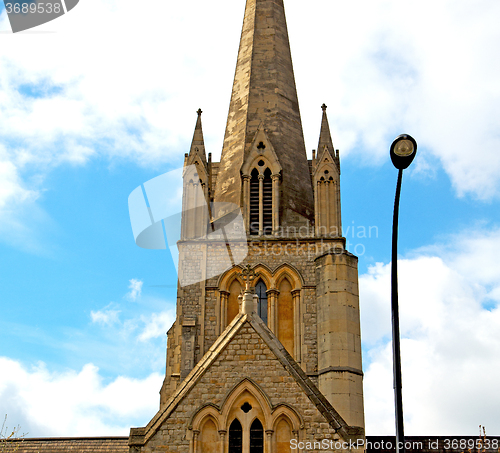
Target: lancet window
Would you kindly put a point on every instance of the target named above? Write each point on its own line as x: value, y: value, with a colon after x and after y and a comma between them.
x: 209, y: 437
x: 261, y: 202
x: 327, y: 201
x: 235, y: 437
x: 261, y: 192
x: 194, y: 204
x: 256, y: 437
x: 245, y: 423
x: 261, y: 291
x: 232, y: 303
x: 254, y: 202
x: 279, y: 303
x: 267, y: 203
x: 285, y: 316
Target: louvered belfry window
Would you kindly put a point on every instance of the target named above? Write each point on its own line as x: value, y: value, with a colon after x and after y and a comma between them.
x: 254, y: 203
x: 268, y: 203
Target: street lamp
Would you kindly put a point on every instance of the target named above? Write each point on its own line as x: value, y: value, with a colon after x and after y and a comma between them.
x: 403, y: 151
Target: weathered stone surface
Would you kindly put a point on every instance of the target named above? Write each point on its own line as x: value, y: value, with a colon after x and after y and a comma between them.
x: 264, y: 93
x: 272, y: 371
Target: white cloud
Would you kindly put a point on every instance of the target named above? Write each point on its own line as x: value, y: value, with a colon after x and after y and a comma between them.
x: 75, y: 403
x: 104, y: 91
x: 157, y: 325
x: 151, y: 326
x: 135, y: 289
x: 18, y: 204
x: 12, y: 189
x: 427, y: 68
x: 105, y: 317
x: 450, y: 341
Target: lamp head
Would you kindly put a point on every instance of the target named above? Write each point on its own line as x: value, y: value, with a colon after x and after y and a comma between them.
x: 403, y: 150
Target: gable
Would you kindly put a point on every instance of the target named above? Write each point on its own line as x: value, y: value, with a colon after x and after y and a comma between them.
x: 242, y: 360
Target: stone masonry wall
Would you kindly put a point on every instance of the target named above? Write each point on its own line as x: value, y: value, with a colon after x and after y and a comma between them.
x: 246, y: 355
x: 201, y: 300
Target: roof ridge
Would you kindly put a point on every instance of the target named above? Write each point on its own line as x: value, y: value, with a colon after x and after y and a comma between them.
x: 308, y: 386
x: 142, y: 435
x: 195, y: 374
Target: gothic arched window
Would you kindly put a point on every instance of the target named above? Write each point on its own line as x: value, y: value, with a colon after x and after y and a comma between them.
x: 261, y: 291
x: 233, y: 306
x: 261, y: 202
x: 254, y: 202
x: 235, y: 437
x: 209, y: 437
x: 285, y: 316
x: 267, y: 203
x: 283, y: 432
x: 256, y: 437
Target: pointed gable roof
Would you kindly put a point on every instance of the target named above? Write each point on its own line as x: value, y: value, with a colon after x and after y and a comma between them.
x: 142, y: 435
x: 264, y: 92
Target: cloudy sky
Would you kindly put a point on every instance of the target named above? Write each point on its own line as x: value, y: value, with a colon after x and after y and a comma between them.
x: 104, y: 98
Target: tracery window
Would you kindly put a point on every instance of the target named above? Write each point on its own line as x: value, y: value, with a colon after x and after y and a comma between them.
x: 244, y: 424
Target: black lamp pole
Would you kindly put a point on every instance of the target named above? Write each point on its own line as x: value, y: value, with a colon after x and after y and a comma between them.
x: 403, y: 151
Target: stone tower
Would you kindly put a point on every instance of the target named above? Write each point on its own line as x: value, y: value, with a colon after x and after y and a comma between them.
x: 266, y: 346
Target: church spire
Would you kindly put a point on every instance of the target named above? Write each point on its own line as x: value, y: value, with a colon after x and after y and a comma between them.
x: 264, y: 97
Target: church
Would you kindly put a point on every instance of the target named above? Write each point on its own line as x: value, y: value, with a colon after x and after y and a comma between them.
x: 265, y: 352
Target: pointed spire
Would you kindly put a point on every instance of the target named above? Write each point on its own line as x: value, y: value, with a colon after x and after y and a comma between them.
x: 264, y: 92
x: 198, y: 144
x: 325, y: 138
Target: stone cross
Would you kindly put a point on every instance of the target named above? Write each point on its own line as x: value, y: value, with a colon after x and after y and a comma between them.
x: 248, y: 275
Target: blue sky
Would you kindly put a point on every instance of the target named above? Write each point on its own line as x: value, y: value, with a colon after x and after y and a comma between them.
x: 103, y: 99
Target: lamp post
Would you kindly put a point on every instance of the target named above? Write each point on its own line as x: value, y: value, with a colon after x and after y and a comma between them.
x: 403, y: 150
